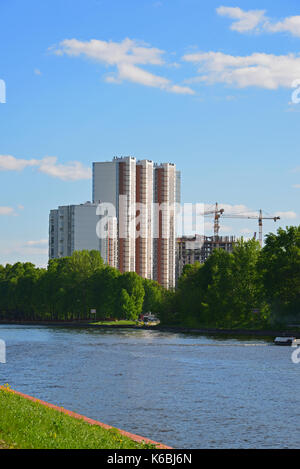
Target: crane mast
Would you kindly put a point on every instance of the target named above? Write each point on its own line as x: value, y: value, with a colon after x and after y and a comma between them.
x: 217, y: 214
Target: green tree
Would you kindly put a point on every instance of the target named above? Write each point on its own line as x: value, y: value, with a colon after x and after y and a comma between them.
x: 279, y: 266
x: 131, y: 295
x: 104, y: 292
x: 153, y: 297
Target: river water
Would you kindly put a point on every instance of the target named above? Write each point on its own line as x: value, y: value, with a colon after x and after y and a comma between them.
x: 184, y: 390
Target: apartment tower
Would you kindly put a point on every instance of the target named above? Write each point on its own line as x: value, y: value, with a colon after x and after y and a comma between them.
x: 144, y: 219
x: 165, y: 181
x: 131, y: 221
x: 114, y: 183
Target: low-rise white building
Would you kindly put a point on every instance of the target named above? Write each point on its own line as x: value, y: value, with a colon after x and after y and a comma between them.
x: 74, y: 228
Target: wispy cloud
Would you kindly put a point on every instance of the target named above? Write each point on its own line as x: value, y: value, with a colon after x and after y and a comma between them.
x: 244, y: 210
x: 7, y: 211
x: 39, y: 242
x: 296, y: 170
x: 286, y: 215
x: 209, y: 228
x: 22, y: 250
x: 262, y: 70
x: 290, y: 25
x: 127, y: 57
x: 257, y: 21
x: 10, y: 163
x: 72, y: 171
x: 244, y: 20
x: 246, y: 231
x: 238, y: 209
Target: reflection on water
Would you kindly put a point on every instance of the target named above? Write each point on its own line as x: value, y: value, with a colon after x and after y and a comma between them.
x: 186, y: 390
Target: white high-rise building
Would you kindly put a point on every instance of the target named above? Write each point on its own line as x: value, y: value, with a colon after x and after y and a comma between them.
x: 132, y: 220
x: 144, y: 219
x: 74, y: 228
x: 165, y: 181
x: 114, y: 182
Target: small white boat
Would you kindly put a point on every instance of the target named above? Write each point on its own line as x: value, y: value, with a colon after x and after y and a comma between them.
x: 289, y: 341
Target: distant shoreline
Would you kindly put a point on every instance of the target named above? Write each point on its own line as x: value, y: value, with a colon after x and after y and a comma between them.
x: 174, y: 329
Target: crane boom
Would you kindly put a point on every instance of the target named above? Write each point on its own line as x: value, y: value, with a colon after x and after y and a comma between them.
x: 260, y: 219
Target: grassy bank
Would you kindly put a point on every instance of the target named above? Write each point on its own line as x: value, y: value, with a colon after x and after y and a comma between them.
x: 30, y: 425
x: 121, y: 322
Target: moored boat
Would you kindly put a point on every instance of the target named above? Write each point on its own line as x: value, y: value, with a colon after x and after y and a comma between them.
x: 289, y: 341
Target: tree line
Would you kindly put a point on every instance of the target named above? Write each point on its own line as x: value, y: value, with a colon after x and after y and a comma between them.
x: 71, y: 287
x: 250, y: 287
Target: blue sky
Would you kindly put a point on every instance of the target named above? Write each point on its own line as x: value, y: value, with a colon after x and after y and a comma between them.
x: 207, y: 85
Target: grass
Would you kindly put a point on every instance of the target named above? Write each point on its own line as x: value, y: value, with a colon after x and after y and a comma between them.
x: 121, y: 322
x: 30, y: 425
x: 124, y: 322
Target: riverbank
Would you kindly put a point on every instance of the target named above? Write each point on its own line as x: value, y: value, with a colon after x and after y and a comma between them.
x: 284, y: 332
x: 198, y: 383
x: 28, y: 423
x: 233, y: 332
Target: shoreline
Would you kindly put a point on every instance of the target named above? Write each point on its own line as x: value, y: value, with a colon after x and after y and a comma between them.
x: 132, y: 436
x: 174, y: 329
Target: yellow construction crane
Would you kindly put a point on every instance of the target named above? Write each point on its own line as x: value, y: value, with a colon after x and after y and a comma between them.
x: 260, y: 219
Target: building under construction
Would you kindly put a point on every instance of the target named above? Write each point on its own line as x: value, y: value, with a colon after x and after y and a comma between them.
x: 197, y: 248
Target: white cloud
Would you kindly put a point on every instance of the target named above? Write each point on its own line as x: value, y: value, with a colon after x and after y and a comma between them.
x: 7, y: 211
x: 290, y: 25
x: 288, y: 215
x: 72, y: 171
x: 245, y: 20
x: 243, y: 210
x: 257, y: 21
x: 127, y: 56
x: 229, y: 209
x: 10, y: 163
x: 18, y: 251
x: 209, y: 227
x: 245, y: 231
x: 40, y: 242
x: 267, y: 71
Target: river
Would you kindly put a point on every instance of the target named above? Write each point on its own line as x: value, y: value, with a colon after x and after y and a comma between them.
x: 184, y: 390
